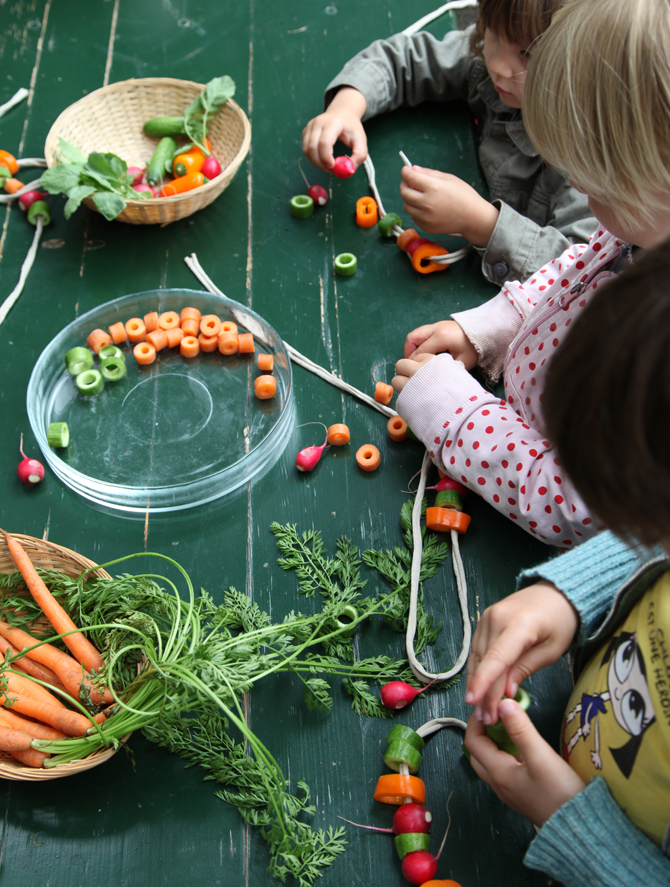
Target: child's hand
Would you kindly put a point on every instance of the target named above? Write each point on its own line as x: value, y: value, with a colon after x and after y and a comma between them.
x: 514, y: 638
x: 445, y: 335
x: 341, y: 120
x: 535, y: 786
x: 405, y: 369
x: 444, y: 204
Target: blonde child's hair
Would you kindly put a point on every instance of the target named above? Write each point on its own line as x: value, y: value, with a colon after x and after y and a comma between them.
x: 596, y: 102
x: 519, y: 21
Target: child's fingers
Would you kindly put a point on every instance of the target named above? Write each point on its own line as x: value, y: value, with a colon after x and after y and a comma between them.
x: 415, y: 338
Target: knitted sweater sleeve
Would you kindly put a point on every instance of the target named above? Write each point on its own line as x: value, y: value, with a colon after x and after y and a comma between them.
x: 479, y: 440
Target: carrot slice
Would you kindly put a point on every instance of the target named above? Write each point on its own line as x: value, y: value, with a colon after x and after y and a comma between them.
x: 421, y: 258
x: 366, y: 212
x: 190, y: 314
x: 210, y: 325
x: 407, y: 236
x: 208, y: 343
x: 395, y: 788
x: 338, y: 435
x: 174, y: 336
x: 228, y: 327
x: 444, y: 519
x: 158, y: 339
x: 151, y: 321
x: 265, y: 387
x: 118, y: 332
x: 368, y: 457
x: 383, y: 393
x: 228, y: 343
x: 397, y: 428
x: 79, y: 645
x: 136, y: 330
x: 13, y: 185
x: 189, y: 346
x: 145, y: 353
x: 98, y: 339
x: 168, y: 320
x: 266, y: 363
x: 191, y: 326
x: 246, y: 342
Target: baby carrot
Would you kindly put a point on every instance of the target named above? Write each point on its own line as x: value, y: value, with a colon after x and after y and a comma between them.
x: 210, y: 325
x: 190, y: 314
x: 191, y: 326
x: 265, y: 387
x: 168, y: 320
x: 338, y: 435
x: 208, y: 343
x: 228, y: 343
x: 383, y: 393
x: 189, y: 346
x: 246, y: 341
x: 136, y: 330
x: 98, y: 339
x: 158, y: 339
x: 118, y: 332
x: 145, y: 353
x: 69, y: 722
x: 368, y: 457
x: 39, y: 731
x: 151, y: 321
x: 174, y: 336
x: 265, y: 363
x: 79, y: 645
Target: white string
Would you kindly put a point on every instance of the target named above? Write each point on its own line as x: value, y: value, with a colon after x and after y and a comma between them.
x: 436, y: 13
x: 10, y: 198
x: 296, y: 357
x: 436, y: 724
x: 32, y: 162
x: 25, y: 271
x: 415, y: 576
x: 18, y: 96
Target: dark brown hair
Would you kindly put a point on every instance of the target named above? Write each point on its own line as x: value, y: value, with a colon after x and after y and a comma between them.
x: 518, y: 21
x: 607, y: 400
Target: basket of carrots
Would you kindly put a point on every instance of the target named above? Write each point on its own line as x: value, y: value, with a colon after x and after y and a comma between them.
x: 126, y: 121
x: 48, y: 691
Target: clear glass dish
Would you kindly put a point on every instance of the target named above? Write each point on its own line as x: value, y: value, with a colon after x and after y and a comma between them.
x: 171, y: 435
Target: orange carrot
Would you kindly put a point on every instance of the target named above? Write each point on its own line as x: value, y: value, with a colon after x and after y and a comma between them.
x: 28, y: 665
x: 265, y: 387
x: 136, y: 330
x: 246, y: 341
x: 102, y: 716
x: 151, y: 321
x: 210, y: 325
x: 368, y: 457
x: 190, y: 314
x: 174, y: 336
x: 118, y: 332
x: 168, y: 320
x: 397, y: 428
x: 31, y: 758
x: 145, y: 353
x: 79, y: 645
x: 69, y: 722
x: 189, y: 346
x: 12, y: 740
x: 383, y: 393
x: 338, y: 435
x: 207, y: 343
x: 228, y: 327
x: 228, y: 343
x: 67, y: 669
x: 13, y: 185
x: 39, y: 731
x: 98, y: 339
x: 158, y: 339
x: 265, y: 363
x: 191, y: 326
x: 17, y: 683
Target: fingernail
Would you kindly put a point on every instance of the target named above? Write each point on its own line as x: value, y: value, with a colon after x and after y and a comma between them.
x: 514, y: 688
x: 506, y: 707
x: 478, y: 712
x: 469, y: 696
x: 487, y: 719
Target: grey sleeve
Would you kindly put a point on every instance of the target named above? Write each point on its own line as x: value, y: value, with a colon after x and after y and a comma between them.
x: 408, y: 70
x: 519, y: 246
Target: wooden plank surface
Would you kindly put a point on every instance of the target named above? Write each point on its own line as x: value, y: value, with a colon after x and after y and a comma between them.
x: 146, y: 818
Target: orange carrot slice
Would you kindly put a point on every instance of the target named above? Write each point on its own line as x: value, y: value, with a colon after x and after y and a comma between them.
x: 228, y: 343
x: 174, y: 336
x: 395, y: 788
x: 266, y: 363
x: 189, y: 346
x: 383, y: 393
x: 228, y: 327
x: 151, y: 321
x: 444, y: 519
x: 145, y: 353
x: 191, y: 326
x: 190, y: 314
x: 210, y: 325
x: 136, y: 330
x: 168, y: 320
x: 98, y: 339
x: 407, y: 236
x: 338, y: 435
x: 208, y: 343
x: 397, y: 428
x: 368, y: 457
x: 118, y: 332
x: 246, y: 342
x: 158, y: 339
x: 265, y: 387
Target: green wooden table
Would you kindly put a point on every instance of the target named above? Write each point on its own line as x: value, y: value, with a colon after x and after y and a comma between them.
x: 148, y: 819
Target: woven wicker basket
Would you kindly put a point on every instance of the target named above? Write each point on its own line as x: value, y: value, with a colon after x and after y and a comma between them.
x: 110, y: 119
x: 48, y: 556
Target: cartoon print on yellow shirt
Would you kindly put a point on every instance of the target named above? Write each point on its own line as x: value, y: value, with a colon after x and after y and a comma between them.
x: 629, y: 702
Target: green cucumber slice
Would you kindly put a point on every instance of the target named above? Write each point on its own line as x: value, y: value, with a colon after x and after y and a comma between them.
x: 387, y: 223
x: 400, y: 752
x: 411, y: 841
x: 58, y: 434
x: 77, y: 360
x: 111, y: 351
x: 302, y: 206
x: 113, y: 369
x: 345, y: 264
x: 400, y: 731
x: 90, y: 382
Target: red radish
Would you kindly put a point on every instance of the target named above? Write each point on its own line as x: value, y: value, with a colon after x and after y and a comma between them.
x: 398, y: 694
x: 307, y: 458
x: 211, y: 168
x: 344, y: 167
x: 446, y: 483
x: 137, y: 173
x: 30, y: 471
x: 412, y: 819
x: 419, y: 866
x: 146, y: 188
x: 26, y: 200
x: 318, y: 194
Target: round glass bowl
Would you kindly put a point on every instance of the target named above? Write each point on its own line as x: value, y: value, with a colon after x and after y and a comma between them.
x: 171, y: 435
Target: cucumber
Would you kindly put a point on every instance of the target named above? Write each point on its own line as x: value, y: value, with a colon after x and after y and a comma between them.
x: 164, y: 151
x: 158, y: 127
x: 58, y: 434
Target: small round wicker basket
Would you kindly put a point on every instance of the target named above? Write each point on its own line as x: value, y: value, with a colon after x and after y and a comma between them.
x: 48, y: 556
x: 110, y: 119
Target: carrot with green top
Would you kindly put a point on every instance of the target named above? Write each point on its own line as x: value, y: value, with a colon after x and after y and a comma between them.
x: 38, y: 731
x: 41, y: 672
x: 18, y: 744
x: 17, y: 683
x: 69, y: 722
x: 79, y: 645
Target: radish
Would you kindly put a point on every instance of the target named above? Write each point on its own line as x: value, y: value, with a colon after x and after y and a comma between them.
x: 30, y: 471
x: 409, y: 819
x: 446, y: 483
x: 318, y: 194
x: 398, y: 694
x: 146, y: 188
x: 344, y: 167
x: 211, y: 168
x: 137, y: 173
x: 419, y: 866
x: 26, y: 200
x: 306, y: 459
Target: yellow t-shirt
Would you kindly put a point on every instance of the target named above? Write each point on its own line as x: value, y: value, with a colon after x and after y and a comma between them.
x: 617, y: 724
